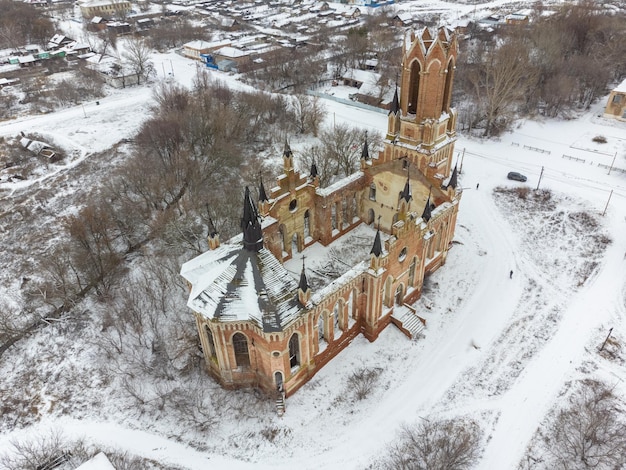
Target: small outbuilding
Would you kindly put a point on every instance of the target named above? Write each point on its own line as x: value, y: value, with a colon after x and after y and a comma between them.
x: 616, y: 105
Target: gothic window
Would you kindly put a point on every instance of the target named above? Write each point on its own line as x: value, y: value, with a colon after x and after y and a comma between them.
x: 355, y: 211
x: 336, y: 316
x: 373, y: 191
x: 333, y: 217
x: 344, y: 212
x: 320, y: 328
x: 240, y: 346
x: 294, y: 351
x: 209, y: 337
x: 402, y: 255
x: 294, y: 244
x: 281, y: 231
x: 399, y: 294
x: 414, y: 85
x: 307, y: 225
x: 447, y: 90
x: 388, y: 296
x: 278, y: 378
x: 371, y: 216
x: 412, y: 272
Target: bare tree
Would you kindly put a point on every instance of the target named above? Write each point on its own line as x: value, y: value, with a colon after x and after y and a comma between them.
x: 138, y: 56
x: 435, y: 445
x: 500, y: 75
x: 591, y: 431
x: 310, y: 113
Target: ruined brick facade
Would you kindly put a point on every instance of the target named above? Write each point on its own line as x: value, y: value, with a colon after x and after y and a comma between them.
x: 409, y: 191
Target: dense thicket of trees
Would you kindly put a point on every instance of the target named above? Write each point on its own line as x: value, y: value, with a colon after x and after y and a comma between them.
x: 553, y: 66
x: 22, y: 24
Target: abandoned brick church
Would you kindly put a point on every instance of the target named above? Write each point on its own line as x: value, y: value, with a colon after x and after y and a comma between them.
x: 267, y: 315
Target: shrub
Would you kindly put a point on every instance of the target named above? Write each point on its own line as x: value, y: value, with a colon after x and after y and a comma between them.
x: 599, y: 139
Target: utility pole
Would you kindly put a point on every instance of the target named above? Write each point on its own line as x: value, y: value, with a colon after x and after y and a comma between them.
x: 611, y: 167
x: 607, y: 203
x: 607, y: 338
x: 462, y: 157
x: 539, y: 182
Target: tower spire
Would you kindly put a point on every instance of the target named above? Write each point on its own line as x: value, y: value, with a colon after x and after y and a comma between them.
x: 314, y: 172
x: 250, y: 225
x: 213, y: 239
x: 365, y: 154
x: 395, y: 103
x: 426, y: 215
x: 287, y: 156
x: 406, y: 192
x: 262, y: 193
x: 304, y: 293
x: 453, y: 179
x: 377, y: 248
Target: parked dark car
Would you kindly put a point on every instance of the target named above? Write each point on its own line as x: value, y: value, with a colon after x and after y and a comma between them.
x: 514, y: 175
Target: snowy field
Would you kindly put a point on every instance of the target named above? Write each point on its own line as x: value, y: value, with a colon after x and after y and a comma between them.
x: 496, y: 349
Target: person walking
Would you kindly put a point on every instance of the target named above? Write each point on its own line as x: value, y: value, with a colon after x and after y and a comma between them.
x: 511, y: 274
x: 477, y: 185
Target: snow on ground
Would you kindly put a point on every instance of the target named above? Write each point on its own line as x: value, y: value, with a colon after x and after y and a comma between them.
x: 495, y: 349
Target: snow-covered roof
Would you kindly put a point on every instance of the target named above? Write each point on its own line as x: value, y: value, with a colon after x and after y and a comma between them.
x: 98, y: 462
x: 231, y: 283
x: 621, y: 88
x: 26, y: 59
x: 231, y: 52
x: 200, y: 44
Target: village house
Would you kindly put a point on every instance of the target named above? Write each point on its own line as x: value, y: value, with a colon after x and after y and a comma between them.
x: 275, y: 304
x: 105, y: 8
x: 616, y: 104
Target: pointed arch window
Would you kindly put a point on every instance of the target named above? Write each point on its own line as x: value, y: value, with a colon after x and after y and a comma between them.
x: 294, y: 351
x: 210, y: 341
x: 373, y: 191
x: 240, y: 346
x: 447, y: 91
x: 414, y: 85
x: 307, y: 225
x: 412, y: 272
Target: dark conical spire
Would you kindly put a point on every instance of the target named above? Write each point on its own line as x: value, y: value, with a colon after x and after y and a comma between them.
x: 314, y: 172
x: 406, y: 192
x: 365, y: 154
x: 395, y: 104
x: 212, y: 230
x: 287, y: 153
x: 262, y: 194
x: 377, y: 248
x: 250, y: 225
x: 453, y: 179
x: 426, y: 215
x: 303, y: 285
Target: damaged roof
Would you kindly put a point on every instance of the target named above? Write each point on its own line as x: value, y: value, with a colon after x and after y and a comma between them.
x: 231, y: 283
